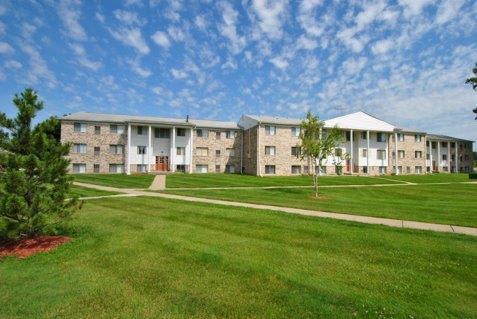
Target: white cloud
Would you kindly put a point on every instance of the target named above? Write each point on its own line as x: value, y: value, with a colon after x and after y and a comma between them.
x: 12, y: 64
x: 3, y: 9
x: 382, y: 46
x: 271, y: 16
x: 200, y: 22
x: 279, y: 62
x: 176, y: 33
x: 69, y: 13
x: 414, y: 7
x: 2, y: 28
x: 127, y: 17
x: 306, y: 43
x: 161, y: 39
x: 179, y: 74
x: 6, y: 48
x: 369, y: 14
x: 349, y: 38
x: 307, y: 19
x: 100, y: 17
x: 352, y: 66
x: 228, y: 28
x: 131, y: 37
x: 38, y: 68
x: 83, y: 59
x: 138, y: 69
x: 448, y: 10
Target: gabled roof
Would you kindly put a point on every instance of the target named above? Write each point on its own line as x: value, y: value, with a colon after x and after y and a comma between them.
x: 214, y: 124
x: 265, y: 119
x: 360, y: 121
x: 445, y: 138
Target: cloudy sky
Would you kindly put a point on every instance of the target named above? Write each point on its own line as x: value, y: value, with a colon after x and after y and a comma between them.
x: 404, y: 61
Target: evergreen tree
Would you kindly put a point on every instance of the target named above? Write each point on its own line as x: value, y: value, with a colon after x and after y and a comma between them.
x: 34, y: 183
x: 473, y: 82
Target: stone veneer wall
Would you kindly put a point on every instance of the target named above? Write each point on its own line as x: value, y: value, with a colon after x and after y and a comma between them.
x: 409, y: 146
x: 466, y: 157
x: 250, y: 150
x: 213, y: 144
x: 103, y: 140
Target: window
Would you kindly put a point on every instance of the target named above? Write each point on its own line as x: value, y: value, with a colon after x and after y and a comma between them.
x: 141, y: 150
x: 365, y: 169
x: 140, y: 130
x: 115, y: 149
x: 180, y: 168
x: 295, y: 131
x: 399, y: 169
x: 141, y: 168
x: 217, y: 168
x: 401, y: 154
x: 452, y: 145
x: 295, y: 151
x: 408, y: 169
x: 80, y: 127
x: 79, y: 168
x: 202, y: 133
x: 453, y: 157
x: 218, y: 135
x: 364, y: 136
x: 79, y: 148
x: 382, y: 169
x: 97, y: 129
x: 270, y: 130
x: 381, y: 154
x: 338, y: 152
x: 180, y: 150
x: 296, y: 169
x: 418, y: 154
x: 400, y: 137
x: 269, y: 150
x: 180, y: 131
x: 348, y: 136
x: 428, y: 156
x: 269, y: 169
x: 202, y: 151
x: 306, y: 169
x: 230, y: 151
x: 380, y: 137
x: 160, y: 132
x: 230, y: 169
x: 116, y: 168
x: 201, y: 168
x: 96, y: 151
x: 418, y: 169
x: 417, y: 138
x: 320, y: 170
x: 444, y: 144
x: 444, y: 157
x: 217, y: 153
x: 96, y: 168
x: 116, y: 129
x: 433, y: 145
x: 364, y: 152
x: 230, y: 134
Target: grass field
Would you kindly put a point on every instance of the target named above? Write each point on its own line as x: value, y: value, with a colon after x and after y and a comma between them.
x: 116, y: 180
x: 448, y: 204
x: 160, y: 258
x: 88, y: 192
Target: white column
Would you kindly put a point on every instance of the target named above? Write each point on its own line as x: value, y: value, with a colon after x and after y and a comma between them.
x: 430, y: 156
x: 367, y: 152
x: 259, y: 150
x: 149, y: 149
x: 128, y: 165
x: 396, y: 153
x: 438, y: 156
x: 351, y: 150
x: 172, y: 153
x: 191, y: 151
x: 448, y: 157
x: 457, y: 156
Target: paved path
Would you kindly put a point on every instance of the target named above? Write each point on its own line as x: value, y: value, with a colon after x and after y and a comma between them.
x: 348, y: 217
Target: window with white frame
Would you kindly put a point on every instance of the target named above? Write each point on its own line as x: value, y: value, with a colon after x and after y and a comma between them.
x: 270, y: 130
x: 230, y: 152
x: 295, y: 131
x: 95, y: 168
x: 444, y: 157
x: 97, y: 129
x: 141, y: 149
x: 161, y: 132
x: 381, y: 154
x: 141, y: 168
x: 218, y: 135
x: 202, y: 151
x: 269, y: 169
x: 217, y: 153
x: 96, y: 151
x: 201, y: 132
x: 140, y: 130
x: 79, y: 168
x: 79, y: 148
x: 364, y: 135
x: 418, y: 154
x: 269, y: 150
x: 80, y: 127
x: 401, y: 154
x: 296, y: 169
x: 418, y: 169
x: 202, y: 168
x: 382, y: 169
x: 116, y: 129
x: 295, y: 151
x: 230, y: 134
x: 180, y: 131
x: 380, y: 137
x: 408, y: 169
x: 400, y: 137
x: 180, y: 150
x: 116, y: 149
x: 116, y: 168
x: 364, y: 152
x: 217, y: 168
x: 417, y: 138
x: 230, y: 169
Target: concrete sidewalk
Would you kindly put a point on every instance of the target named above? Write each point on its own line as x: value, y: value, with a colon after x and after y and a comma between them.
x: 398, y: 223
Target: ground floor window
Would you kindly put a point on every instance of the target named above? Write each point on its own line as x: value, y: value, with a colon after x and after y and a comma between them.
x: 296, y: 169
x: 428, y: 169
x: 217, y: 168
x: 365, y: 169
x: 116, y: 168
x: 418, y: 169
x: 408, y: 169
x: 180, y: 168
x: 230, y: 169
x: 96, y: 168
x: 399, y: 169
x: 306, y: 169
x: 382, y: 169
x: 201, y: 168
x: 445, y: 168
x: 269, y: 169
x: 319, y: 170
x: 141, y: 168
x: 79, y: 168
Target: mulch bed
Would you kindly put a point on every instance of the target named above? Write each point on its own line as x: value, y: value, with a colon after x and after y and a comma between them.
x: 33, y: 245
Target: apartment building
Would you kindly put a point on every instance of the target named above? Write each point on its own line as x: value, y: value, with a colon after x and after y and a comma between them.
x: 257, y: 145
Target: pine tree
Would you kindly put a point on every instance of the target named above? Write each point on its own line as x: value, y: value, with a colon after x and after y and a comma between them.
x: 34, y: 183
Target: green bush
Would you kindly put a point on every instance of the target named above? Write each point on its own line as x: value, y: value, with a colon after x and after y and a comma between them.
x: 473, y: 175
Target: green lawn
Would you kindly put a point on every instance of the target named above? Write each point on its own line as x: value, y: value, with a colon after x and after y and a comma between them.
x: 454, y: 204
x: 88, y: 192
x: 116, y: 180
x: 432, y: 178
x: 138, y: 258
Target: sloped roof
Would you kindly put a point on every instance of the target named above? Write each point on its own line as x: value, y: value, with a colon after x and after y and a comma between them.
x: 445, y: 138
x: 265, y: 119
x: 360, y: 121
x: 214, y: 124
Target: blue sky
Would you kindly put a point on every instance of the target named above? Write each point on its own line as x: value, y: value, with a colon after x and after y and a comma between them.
x: 404, y: 61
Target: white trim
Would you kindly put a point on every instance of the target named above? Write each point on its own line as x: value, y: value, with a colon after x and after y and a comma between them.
x: 259, y: 168
x: 191, y: 151
x: 149, y: 150
x: 367, y: 152
x: 128, y: 166
x: 173, y: 150
x: 396, y: 154
x: 351, y: 151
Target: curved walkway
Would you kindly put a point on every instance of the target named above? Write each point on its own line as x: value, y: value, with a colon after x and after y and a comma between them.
x: 398, y: 223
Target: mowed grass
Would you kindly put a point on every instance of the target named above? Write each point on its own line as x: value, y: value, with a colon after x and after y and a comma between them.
x: 88, y: 192
x: 454, y: 204
x: 432, y: 178
x: 116, y: 180
x: 149, y: 258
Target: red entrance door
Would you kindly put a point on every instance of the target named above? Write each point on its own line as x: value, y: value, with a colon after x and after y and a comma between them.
x: 162, y: 163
